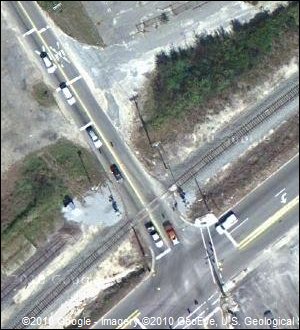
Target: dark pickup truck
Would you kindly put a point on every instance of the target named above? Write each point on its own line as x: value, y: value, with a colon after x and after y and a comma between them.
x: 116, y: 172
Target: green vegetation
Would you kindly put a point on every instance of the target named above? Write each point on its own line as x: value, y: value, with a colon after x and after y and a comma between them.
x: 32, y: 208
x: 73, y: 19
x: 185, y: 80
x: 42, y: 94
x: 48, y: 5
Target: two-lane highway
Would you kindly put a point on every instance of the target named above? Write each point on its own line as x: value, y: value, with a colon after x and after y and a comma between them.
x: 183, y: 276
x: 182, y: 281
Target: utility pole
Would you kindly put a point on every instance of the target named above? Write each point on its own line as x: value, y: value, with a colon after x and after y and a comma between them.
x: 134, y: 99
x: 156, y: 145
x: 218, y: 281
x: 86, y: 173
x: 203, y: 196
x: 228, y: 305
x: 159, y: 147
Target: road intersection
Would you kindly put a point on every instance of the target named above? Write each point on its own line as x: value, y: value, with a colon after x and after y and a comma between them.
x: 180, y: 285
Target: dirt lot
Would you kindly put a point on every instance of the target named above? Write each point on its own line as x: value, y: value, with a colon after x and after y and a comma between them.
x: 227, y: 187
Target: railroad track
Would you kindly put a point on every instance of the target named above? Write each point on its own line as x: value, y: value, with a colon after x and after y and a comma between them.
x: 47, y: 298
x: 238, y: 135
x: 23, y: 276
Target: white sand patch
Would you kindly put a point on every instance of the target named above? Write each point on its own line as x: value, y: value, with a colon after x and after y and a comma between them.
x: 94, y: 210
x: 271, y: 5
x: 109, y: 272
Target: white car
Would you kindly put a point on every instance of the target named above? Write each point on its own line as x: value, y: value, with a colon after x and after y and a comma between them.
x: 51, y: 67
x: 153, y: 233
x: 94, y: 137
x: 67, y: 93
x: 157, y: 240
x: 226, y: 222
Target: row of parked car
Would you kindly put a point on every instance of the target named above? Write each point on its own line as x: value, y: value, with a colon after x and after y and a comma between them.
x: 155, y: 236
x: 51, y: 67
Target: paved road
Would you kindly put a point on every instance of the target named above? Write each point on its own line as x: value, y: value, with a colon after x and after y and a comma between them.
x: 183, y: 275
x: 169, y: 291
x: 138, y: 188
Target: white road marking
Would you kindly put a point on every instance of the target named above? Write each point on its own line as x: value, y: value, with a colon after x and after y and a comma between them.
x: 211, y: 314
x: 232, y: 240
x: 210, y: 266
x: 138, y: 322
x: 70, y: 82
x: 163, y: 254
x: 197, y: 317
x: 59, y: 53
x: 280, y: 192
x: 283, y: 199
x: 82, y: 128
x: 44, y: 29
x: 210, y: 298
x: 29, y: 32
x: 215, y: 301
x: 190, y: 314
x: 238, y: 225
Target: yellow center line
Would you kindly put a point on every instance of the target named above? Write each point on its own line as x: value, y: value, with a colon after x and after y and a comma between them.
x: 128, y: 320
x: 107, y: 144
x: 268, y: 223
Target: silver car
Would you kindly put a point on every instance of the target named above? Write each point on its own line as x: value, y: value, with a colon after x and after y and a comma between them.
x: 51, y: 67
x: 67, y: 93
x: 94, y: 137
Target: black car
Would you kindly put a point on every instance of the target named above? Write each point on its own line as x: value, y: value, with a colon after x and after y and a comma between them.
x: 116, y: 172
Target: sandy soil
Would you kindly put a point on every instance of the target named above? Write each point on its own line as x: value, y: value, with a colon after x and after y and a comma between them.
x: 117, y: 266
x: 26, y: 126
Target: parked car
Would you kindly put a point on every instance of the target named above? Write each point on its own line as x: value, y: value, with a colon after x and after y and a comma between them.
x: 51, y: 67
x: 171, y: 232
x: 116, y: 172
x: 94, y: 137
x: 226, y: 222
x: 153, y: 233
x: 67, y: 93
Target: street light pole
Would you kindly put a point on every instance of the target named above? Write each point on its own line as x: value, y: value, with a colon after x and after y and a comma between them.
x: 203, y: 196
x: 158, y: 145
x: 86, y: 173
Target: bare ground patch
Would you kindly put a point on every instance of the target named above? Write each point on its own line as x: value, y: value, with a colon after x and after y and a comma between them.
x: 73, y: 19
x: 229, y: 186
x: 42, y: 94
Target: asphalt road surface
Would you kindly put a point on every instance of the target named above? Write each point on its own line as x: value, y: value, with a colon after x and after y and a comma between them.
x: 182, y: 282
x: 182, y: 287
x: 138, y: 188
